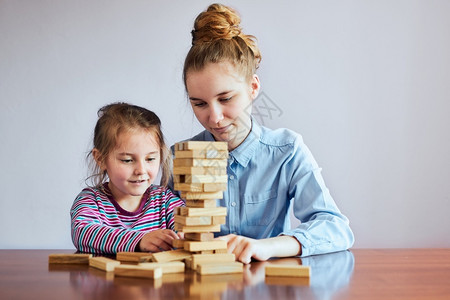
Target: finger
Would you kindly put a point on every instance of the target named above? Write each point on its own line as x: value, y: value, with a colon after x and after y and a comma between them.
x: 225, y: 238
x: 246, y: 254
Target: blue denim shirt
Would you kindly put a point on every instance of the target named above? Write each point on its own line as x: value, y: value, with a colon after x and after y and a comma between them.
x: 270, y: 171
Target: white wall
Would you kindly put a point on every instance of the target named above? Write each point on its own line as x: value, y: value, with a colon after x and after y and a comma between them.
x: 365, y: 82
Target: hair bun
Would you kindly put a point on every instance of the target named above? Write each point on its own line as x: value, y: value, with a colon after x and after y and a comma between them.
x: 217, y: 22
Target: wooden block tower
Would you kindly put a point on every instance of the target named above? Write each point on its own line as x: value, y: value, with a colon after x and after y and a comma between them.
x: 200, y: 175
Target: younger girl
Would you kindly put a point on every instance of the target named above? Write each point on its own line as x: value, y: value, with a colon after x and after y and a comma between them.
x: 128, y: 212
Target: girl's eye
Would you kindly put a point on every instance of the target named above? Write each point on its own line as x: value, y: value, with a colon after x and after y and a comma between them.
x: 150, y: 159
x: 199, y: 104
x: 225, y: 99
x: 127, y: 161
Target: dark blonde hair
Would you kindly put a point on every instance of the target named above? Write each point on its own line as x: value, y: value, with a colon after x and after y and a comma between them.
x: 218, y: 37
x: 114, y: 119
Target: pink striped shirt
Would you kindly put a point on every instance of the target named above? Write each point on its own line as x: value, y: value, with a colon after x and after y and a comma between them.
x: 100, y: 225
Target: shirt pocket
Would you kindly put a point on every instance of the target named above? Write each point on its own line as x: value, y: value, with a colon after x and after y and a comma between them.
x: 260, y: 208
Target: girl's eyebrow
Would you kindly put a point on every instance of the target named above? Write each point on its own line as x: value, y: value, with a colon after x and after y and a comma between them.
x: 220, y: 94
x: 131, y: 154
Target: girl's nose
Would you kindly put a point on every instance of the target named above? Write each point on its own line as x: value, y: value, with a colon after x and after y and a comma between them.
x: 139, y: 169
x: 216, y: 114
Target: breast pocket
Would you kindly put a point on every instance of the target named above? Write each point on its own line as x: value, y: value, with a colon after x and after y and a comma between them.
x: 260, y: 208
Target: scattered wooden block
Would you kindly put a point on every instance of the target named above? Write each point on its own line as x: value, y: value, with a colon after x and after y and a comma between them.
x: 220, y: 268
x: 199, y: 236
x: 201, y: 246
x: 171, y: 255
x: 103, y: 263
x: 211, y: 258
x: 167, y: 267
x: 287, y: 270
x: 198, y: 162
x: 201, y: 203
x: 133, y: 257
x: 197, y: 212
x: 138, y: 271
x: 77, y: 258
x: 283, y: 280
x: 191, y: 229
x: 200, y: 170
x: 193, y: 221
x: 200, y: 178
x: 201, y: 196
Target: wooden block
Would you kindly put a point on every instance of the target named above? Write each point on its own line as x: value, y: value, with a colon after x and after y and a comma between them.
x: 220, y: 251
x: 178, y: 243
x: 201, y: 196
x: 201, y: 246
x: 199, y: 170
x: 133, y: 257
x: 199, y: 162
x: 214, y: 187
x: 81, y: 259
x: 201, y: 203
x: 197, y: 212
x: 218, y: 220
x: 200, y: 178
x: 199, y: 236
x: 171, y: 255
x: 287, y: 270
x: 208, y: 153
x: 167, y: 267
x: 188, y: 187
x: 220, y: 268
x: 191, y: 229
x: 193, y: 221
x: 193, y: 145
x: 138, y: 271
x: 103, y: 263
x: 211, y: 258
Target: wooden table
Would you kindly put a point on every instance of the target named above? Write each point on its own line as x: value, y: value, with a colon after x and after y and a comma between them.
x: 355, y: 274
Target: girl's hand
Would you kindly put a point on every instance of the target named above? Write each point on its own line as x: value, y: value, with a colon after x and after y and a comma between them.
x: 158, y: 240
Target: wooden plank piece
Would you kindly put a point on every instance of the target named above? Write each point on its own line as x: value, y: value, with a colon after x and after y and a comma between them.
x: 201, y: 246
x: 200, y: 178
x: 193, y: 221
x: 191, y: 229
x: 220, y: 268
x: 200, y: 170
x: 211, y: 258
x: 201, y: 203
x: 191, y: 145
x: 104, y: 263
x: 199, y: 236
x: 133, y: 256
x: 197, y: 212
x: 171, y: 255
x: 138, y: 271
x: 201, y: 196
x: 77, y: 258
x: 199, y: 162
x: 287, y: 270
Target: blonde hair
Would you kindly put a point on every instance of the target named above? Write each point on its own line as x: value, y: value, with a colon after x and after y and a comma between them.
x: 114, y: 119
x: 218, y: 37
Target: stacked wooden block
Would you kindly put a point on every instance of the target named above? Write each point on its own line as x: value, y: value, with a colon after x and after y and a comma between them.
x: 200, y: 175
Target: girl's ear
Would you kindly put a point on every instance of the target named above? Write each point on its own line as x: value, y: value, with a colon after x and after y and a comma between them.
x: 98, y: 158
x: 255, y: 86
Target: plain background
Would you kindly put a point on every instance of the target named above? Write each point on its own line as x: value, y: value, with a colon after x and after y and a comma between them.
x: 366, y: 83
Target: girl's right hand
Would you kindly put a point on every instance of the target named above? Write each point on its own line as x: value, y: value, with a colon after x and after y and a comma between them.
x: 158, y: 240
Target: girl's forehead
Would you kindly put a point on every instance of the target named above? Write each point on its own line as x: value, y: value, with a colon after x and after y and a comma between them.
x: 137, y: 137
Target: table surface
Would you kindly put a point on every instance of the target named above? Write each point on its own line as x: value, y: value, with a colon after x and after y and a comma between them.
x: 354, y: 274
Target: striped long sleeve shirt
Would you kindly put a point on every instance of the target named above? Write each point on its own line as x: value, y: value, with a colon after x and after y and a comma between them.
x: 100, y: 225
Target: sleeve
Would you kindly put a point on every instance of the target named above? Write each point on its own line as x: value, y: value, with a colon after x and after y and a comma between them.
x: 323, y: 227
x: 172, y: 201
x: 91, y: 235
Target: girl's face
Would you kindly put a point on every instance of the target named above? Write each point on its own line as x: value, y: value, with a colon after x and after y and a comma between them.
x: 221, y: 99
x: 133, y: 165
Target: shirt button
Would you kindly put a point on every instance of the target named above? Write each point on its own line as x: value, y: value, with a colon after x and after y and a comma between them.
x: 233, y: 204
x: 231, y: 177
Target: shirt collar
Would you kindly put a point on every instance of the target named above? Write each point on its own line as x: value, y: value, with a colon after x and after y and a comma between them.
x: 245, y: 151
